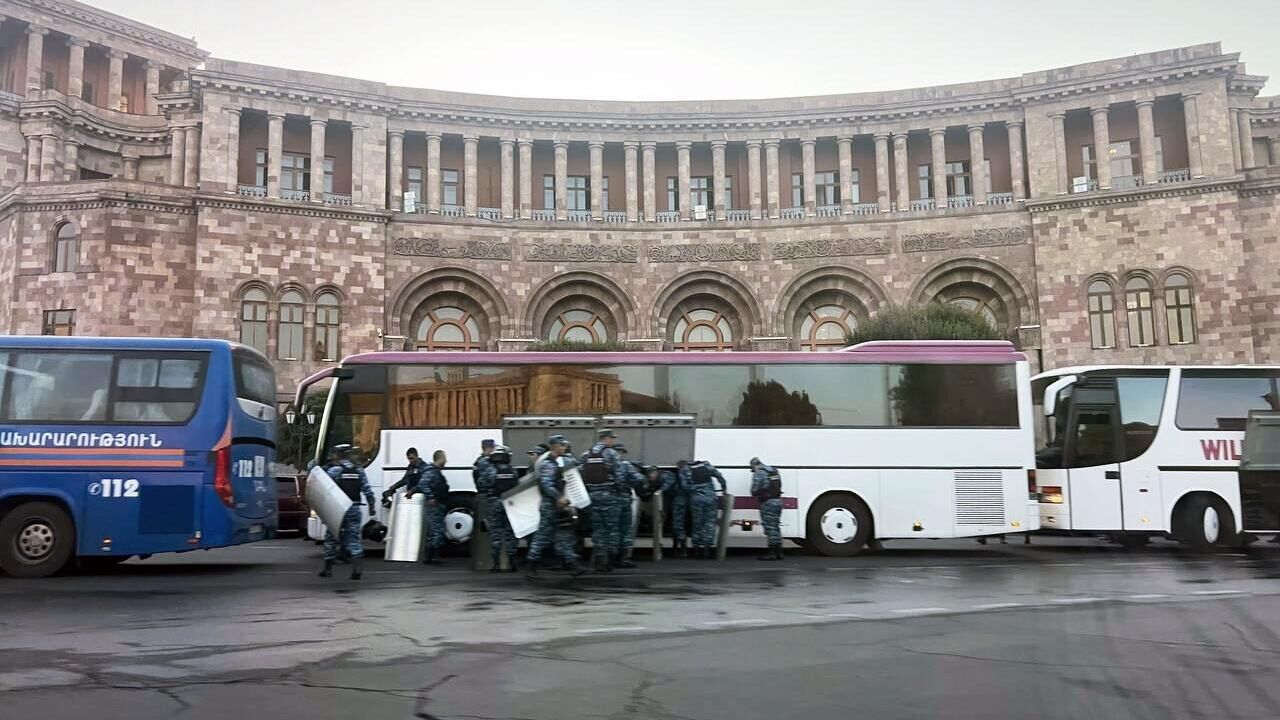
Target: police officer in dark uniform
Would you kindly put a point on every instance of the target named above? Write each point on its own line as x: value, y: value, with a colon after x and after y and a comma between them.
x: 766, y: 487
x: 599, y: 465
x: 702, y: 500
x: 435, y: 487
x: 494, y: 477
x: 352, y: 481
x: 416, y: 467
x: 555, y: 526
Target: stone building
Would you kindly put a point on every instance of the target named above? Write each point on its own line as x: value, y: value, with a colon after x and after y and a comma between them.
x: 150, y: 189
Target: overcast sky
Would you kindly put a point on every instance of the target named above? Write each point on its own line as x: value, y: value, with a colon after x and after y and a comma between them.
x: 703, y: 49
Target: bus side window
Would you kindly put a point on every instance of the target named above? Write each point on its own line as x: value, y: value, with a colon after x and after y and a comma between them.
x: 1141, y: 400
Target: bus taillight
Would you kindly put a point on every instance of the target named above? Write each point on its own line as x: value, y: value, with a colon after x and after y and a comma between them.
x: 222, y: 476
x: 1033, y: 491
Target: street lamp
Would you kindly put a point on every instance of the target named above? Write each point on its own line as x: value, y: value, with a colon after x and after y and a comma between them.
x: 292, y: 417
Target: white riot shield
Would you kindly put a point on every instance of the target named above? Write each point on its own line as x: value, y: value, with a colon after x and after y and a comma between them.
x: 404, y: 528
x: 327, y: 499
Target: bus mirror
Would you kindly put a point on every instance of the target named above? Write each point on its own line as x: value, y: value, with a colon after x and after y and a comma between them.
x: 1051, y: 393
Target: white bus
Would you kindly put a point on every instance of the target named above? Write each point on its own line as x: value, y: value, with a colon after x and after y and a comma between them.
x: 1137, y: 451
x: 882, y: 440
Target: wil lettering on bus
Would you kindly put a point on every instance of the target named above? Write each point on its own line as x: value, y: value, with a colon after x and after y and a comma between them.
x: 1220, y: 449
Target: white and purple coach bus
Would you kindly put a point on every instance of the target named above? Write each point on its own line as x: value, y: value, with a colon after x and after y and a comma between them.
x: 883, y: 440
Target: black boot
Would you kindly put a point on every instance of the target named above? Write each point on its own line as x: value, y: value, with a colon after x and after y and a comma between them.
x: 357, y: 568
x: 531, y: 570
x: 625, y: 561
x: 600, y: 560
x: 328, y: 569
x: 768, y: 554
x: 495, y: 565
x: 575, y: 568
x: 777, y: 552
x: 513, y: 562
x: 682, y: 549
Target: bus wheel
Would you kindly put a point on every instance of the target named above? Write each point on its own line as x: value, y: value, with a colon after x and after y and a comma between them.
x: 1205, y: 522
x: 839, y: 525
x: 36, y: 540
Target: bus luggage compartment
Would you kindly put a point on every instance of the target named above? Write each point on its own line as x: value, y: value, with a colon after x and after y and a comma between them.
x: 1260, y: 473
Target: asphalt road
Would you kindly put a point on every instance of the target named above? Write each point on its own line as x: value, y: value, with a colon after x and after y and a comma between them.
x: 1058, y: 629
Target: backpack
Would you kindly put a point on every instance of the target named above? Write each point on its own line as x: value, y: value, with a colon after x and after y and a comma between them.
x: 773, y: 488
x: 700, y: 473
x: 594, y: 471
x: 505, y: 481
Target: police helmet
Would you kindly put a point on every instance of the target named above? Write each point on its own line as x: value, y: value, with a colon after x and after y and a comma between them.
x: 501, y: 454
x: 342, y: 450
x: 557, y: 440
x: 755, y: 461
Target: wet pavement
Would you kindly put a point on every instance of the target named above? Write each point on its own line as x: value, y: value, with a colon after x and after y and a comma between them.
x: 1060, y: 628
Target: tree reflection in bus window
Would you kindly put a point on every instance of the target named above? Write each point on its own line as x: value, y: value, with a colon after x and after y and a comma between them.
x: 1223, y: 401
x: 1095, y: 439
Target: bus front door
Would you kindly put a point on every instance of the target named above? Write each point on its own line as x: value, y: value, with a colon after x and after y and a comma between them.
x: 1094, y: 475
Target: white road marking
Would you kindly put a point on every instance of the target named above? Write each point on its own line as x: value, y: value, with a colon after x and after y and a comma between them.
x: 1218, y: 592
x: 1147, y: 596
x: 727, y: 623
x: 618, y: 629
x: 997, y: 606
x: 919, y: 610
x: 1064, y: 564
x: 844, y: 615
x: 1076, y: 601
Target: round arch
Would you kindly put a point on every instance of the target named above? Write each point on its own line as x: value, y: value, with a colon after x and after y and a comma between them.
x: 988, y: 283
x: 718, y: 292
x: 579, y: 291
x: 811, y: 294
x: 451, y: 287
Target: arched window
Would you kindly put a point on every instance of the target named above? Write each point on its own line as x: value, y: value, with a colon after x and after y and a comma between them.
x: 1137, y: 303
x: 66, y: 248
x: 1179, y: 308
x: 1102, y: 314
x: 984, y: 306
x: 292, y: 312
x: 328, y: 323
x: 702, y: 330
x: 826, y: 327
x: 578, y: 326
x: 448, y: 328
x: 253, y: 319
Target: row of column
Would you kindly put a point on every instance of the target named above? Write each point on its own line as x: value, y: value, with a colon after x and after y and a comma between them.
x: 75, y: 71
x: 1242, y: 139
x: 639, y: 162
x: 275, y: 153
x: 1146, y: 142
x: 52, y: 159
x: 184, y: 155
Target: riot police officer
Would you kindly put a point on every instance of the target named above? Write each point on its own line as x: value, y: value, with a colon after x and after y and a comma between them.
x: 628, y: 479
x: 677, y: 489
x: 555, y: 526
x: 599, y: 465
x: 352, y: 481
x: 435, y: 487
x: 495, y: 476
x: 703, y: 502
x: 412, y: 473
x: 766, y: 487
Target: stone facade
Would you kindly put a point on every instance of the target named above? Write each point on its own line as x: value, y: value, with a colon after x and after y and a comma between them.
x: 199, y: 196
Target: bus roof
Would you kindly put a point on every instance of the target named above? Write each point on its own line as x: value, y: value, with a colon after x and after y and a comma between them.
x: 1078, y: 369
x: 77, y: 342
x: 978, y: 352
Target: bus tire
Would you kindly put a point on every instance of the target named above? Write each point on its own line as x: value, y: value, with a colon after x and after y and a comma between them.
x: 1205, y: 522
x: 839, y: 525
x: 37, y: 539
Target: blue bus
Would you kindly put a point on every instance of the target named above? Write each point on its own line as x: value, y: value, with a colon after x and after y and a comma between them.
x: 116, y: 447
